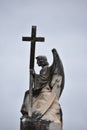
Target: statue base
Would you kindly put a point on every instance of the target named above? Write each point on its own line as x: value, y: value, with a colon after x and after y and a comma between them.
x: 31, y: 124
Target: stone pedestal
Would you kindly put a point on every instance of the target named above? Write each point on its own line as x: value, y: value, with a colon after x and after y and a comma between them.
x: 31, y: 124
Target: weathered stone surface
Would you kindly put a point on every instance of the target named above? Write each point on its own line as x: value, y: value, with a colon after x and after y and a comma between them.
x: 55, y: 126
x: 28, y: 124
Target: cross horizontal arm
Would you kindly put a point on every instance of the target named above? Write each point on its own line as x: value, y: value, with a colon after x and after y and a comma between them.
x: 38, y: 39
x: 26, y: 38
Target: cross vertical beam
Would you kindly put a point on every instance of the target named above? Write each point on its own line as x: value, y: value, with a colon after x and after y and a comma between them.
x: 33, y: 40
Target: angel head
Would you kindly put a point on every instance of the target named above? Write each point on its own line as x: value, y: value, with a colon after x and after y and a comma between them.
x: 42, y: 61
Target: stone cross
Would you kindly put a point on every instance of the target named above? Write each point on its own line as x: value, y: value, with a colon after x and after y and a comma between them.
x: 33, y: 40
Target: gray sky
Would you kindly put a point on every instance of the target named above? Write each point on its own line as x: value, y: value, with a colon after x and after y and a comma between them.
x: 63, y: 23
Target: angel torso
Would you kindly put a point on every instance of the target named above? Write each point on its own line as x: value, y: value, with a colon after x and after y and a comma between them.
x: 42, y: 79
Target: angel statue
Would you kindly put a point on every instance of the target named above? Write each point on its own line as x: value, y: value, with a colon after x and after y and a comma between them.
x: 48, y: 87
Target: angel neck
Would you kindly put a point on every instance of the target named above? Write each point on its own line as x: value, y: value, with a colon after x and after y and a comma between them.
x: 44, y: 66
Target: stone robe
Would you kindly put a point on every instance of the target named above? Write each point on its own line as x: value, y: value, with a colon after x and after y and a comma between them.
x: 46, y: 93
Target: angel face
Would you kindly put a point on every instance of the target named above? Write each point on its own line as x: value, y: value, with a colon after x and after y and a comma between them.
x: 42, y: 61
x: 39, y: 62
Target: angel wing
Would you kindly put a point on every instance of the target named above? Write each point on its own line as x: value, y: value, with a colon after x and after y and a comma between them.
x: 57, y: 72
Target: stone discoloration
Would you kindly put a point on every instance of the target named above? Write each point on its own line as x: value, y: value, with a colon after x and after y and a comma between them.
x: 39, y: 125
x: 48, y: 86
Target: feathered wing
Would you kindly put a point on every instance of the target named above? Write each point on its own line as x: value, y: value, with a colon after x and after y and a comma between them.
x: 57, y: 72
